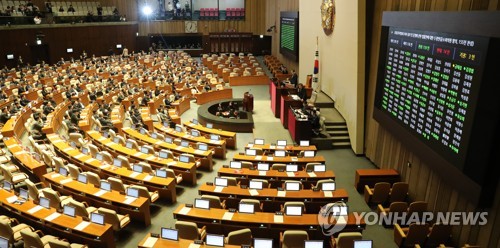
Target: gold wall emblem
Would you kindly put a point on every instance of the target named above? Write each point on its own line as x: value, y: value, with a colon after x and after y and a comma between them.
x: 328, y: 16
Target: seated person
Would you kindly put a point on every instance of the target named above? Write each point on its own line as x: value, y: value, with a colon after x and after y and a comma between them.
x: 207, y: 87
x: 301, y: 92
x: 4, y: 116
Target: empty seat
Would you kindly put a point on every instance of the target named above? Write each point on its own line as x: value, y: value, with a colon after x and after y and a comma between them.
x: 215, y: 201
x: 58, y: 243
x: 346, y: 239
x: 399, y: 192
x: 257, y: 205
x: 293, y: 238
x: 377, y: 195
x: 408, y: 237
x: 294, y: 204
x: 144, y: 192
x: 11, y: 230
x: 117, y: 184
x: 55, y: 200
x: 118, y: 221
x: 190, y: 231
x: 438, y: 234
x: 81, y: 208
x: 31, y: 239
x: 239, y: 237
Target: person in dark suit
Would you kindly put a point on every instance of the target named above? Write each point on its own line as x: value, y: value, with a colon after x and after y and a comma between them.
x: 4, y: 116
x: 301, y: 92
x: 293, y: 79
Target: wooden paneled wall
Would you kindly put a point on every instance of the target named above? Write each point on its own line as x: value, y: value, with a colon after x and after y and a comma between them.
x: 94, y: 39
x: 254, y: 23
x: 386, y: 151
x: 273, y: 19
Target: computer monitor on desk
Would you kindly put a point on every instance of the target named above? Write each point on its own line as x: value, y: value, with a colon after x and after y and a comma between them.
x: 195, y: 121
x: 7, y: 185
x: 304, y: 143
x: 168, y: 140
x: 263, y: 243
x: 69, y: 210
x: 246, y: 208
x: 292, y: 186
x: 235, y: 165
x: 308, y: 154
x: 262, y: 167
x: 99, y: 157
x: 313, y: 244
x: 161, y: 173
x: 105, y: 185
x: 250, y: 152
x: 133, y: 192
x: 280, y: 153
x: 255, y: 184
x: 215, y: 240
x: 221, y: 182
x: 23, y: 194
x: 117, y: 162
x: 201, y: 203
x: 363, y: 243
x: 214, y: 137
x: 293, y: 210
x: 144, y: 150
x: 44, y: 202
x: 292, y: 168
x: 319, y: 168
x: 82, y: 178
x: 258, y: 141
x: 203, y: 147
x: 170, y: 234
x: 328, y: 186
x: 210, y: 125
x: 4, y: 242
x: 97, y: 218
x: 281, y: 143
x: 183, y: 159
x: 137, y: 168
x: 184, y: 143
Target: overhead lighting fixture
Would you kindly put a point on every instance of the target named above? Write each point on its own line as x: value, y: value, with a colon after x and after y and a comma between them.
x: 146, y: 10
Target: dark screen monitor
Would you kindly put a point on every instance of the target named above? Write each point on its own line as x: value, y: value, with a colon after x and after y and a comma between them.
x: 169, y: 233
x: 99, y: 156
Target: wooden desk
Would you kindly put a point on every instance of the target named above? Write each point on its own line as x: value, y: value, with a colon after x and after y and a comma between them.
x: 146, y: 118
x: 62, y: 226
x: 372, y: 176
x: 219, y: 146
x: 181, y: 105
x: 188, y: 170
x: 281, y: 160
x: 181, y: 243
x: 24, y: 159
x: 229, y: 137
x: 286, y: 103
x: 248, y: 80
x: 262, y: 224
x: 85, y: 122
x: 137, y: 210
x: 276, y: 92
x: 164, y: 186
x: 276, y: 178
x: 299, y: 129
x: 272, y: 202
x: 205, y: 157
x: 15, y: 125
x: 202, y: 98
x: 55, y: 118
x: 290, y: 149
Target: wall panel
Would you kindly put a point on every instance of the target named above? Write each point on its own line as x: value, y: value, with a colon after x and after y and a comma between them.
x: 386, y: 151
x: 273, y: 19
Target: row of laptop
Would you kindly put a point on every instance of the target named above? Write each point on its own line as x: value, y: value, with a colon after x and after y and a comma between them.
x: 289, y: 186
x: 67, y: 210
x: 218, y: 240
x: 288, y: 167
x: 279, y: 153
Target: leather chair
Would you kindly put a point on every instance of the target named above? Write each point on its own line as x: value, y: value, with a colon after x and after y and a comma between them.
x: 399, y: 192
x: 377, y: 195
x: 346, y: 239
x: 240, y: 237
x: 293, y: 238
x: 32, y: 238
x: 410, y: 236
x: 118, y: 221
x: 190, y: 231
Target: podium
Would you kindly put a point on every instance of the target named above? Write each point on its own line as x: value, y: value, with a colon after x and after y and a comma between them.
x: 248, y: 102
